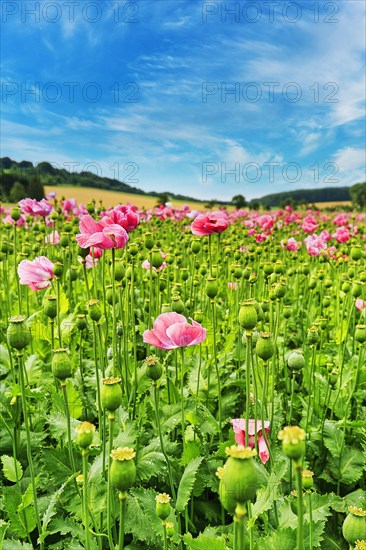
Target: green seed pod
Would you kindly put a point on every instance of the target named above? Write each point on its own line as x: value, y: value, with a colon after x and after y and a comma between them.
x: 162, y: 284
x: 293, y: 442
x: 94, y: 310
x: 307, y: 479
x: 156, y: 258
x: 296, y: 360
x: 268, y: 268
x: 362, y: 276
x: 162, y: 506
x: 313, y: 335
x: 18, y: 334
x: 198, y: 316
x: 50, y: 306
x: 169, y: 526
x: 122, y: 472
x: 153, y: 368
x: 90, y: 208
x: 346, y: 285
x: 177, y: 304
x: 73, y: 273
x: 321, y: 274
x: 294, y: 502
x: 248, y: 315
x: 184, y: 274
x: 287, y: 311
x: 356, y: 289
x: 109, y: 294
x: 64, y: 240
x: 165, y: 308
x: 149, y: 241
x: 15, y: 214
x: 264, y: 346
x: 265, y: 305
x: 360, y: 333
x: 202, y: 270
x: 227, y: 499
x: 133, y: 249
x: 354, y: 526
x: 351, y: 272
x: 85, y: 434
x: 111, y: 393
x: 326, y: 301
x: 119, y: 271
x: 83, y: 252
x: 240, y: 477
x: 312, y: 283
x: 195, y: 246
x: 67, y: 227
x: 58, y: 269
x: 356, y: 252
x: 280, y: 290
x: 61, y: 364
x: 81, y: 321
x: 211, y: 287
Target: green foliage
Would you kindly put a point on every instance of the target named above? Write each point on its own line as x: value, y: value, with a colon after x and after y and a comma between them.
x: 186, y: 483
x: 12, y: 468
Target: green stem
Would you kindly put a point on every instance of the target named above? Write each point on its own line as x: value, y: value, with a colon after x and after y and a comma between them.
x: 122, y: 499
x: 310, y: 520
x: 216, y: 367
x: 247, y: 386
x: 68, y: 422
x: 300, y: 508
x: 156, y: 401
x: 109, y: 488
x: 114, y: 327
x: 85, y: 453
x: 29, y: 444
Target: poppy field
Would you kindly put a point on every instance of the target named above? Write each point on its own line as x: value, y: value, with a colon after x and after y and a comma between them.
x: 177, y: 379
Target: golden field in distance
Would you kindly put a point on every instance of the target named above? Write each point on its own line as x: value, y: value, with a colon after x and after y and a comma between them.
x: 83, y: 195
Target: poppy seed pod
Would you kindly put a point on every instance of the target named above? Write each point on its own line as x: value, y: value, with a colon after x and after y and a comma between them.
x: 61, y: 364
x: 119, y: 271
x: 111, y: 393
x: 296, y: 360
x: 81, y: 321
x: 50, y: 306
x: 354, y: 526
x: 211, y: 287
x: 356, y: 289
x: 313, y: 335
x: 18, y: 334
x: 85, y: 434
x: 153, y: 368
x: 156, y: 258
x: 248, y: 315
x: 356, y: 252
x: 94, y: 310
x: 293, y: 442
x: 264, y: 347
x: 162, y: 506
x: 307, y: 479
x: 58, y: 269
x: 64, y: 240
x: 177, y: 304
x: 360, y: 333
x: 122, y: 472
x: 15, y: 214
x: 195, y: 247
x: 240, y: 476
x: 149, y: 241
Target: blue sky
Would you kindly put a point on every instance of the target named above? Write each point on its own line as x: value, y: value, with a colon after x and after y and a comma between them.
x: 209, y: 99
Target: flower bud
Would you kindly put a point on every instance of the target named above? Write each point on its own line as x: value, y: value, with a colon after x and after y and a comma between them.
x: 122, y: 472
x: 354, y: 526
x: 85, y: 434
x: 18, y: 334
x: 61, y: 364
x: 50, y: 306
x: 169, y: 526
x: 94, y: 310
x: 248, y: 315
x: 264, y: 346
x: 211, y: 287
x: 111, y: 393
x: 293, y: 442
x: 162, y: 506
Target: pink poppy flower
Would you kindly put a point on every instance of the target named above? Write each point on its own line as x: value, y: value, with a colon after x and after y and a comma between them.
x: 37, y: 273
x: 36, y: 208
x: 292, y: 244
x: 129, y: 217
x: 239, y: 427
x: 101, y: 235
x: 206, y: 224
x: 314, y: 245
x: 360, y: 304
x: 52, y: 238
x: 172, y: 330
x: 342, y: 235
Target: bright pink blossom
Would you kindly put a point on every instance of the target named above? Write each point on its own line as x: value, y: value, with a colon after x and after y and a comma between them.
x: 37, y: 273
x: 314, y: 245
x: 206, y: 224
x: 172, y: 330
x: 360, y: 304
x: 342, y: 235
x: 309, y: 224
x: 239, y: 427
x: 291, y: 244
x: 35, y: 208
x: 100, y: 234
